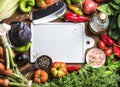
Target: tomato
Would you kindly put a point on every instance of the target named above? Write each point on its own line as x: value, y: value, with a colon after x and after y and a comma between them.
x: 116, y: 50
x: 58, y: 69
x: 89, y: 6
x: 40, y: 76
x: 108, y: 51
x: 101, y: 45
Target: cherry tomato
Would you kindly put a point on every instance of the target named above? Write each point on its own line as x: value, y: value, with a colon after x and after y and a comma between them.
x: 101, y: 45
x: 108, y: 51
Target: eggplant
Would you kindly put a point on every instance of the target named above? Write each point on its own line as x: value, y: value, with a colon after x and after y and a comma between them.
x: 20, y: 34
x: 21, y: 59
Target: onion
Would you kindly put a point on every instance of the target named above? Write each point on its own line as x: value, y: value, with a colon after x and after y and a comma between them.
x: 89, y: 6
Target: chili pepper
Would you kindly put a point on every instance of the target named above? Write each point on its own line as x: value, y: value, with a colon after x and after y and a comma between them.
x: 69, y: 16
x: 107, y: 40
x: 68, y: 2
x: 75, y: 9
x: 72, y: 68
x: 26, y: 5
x: 116, y: 50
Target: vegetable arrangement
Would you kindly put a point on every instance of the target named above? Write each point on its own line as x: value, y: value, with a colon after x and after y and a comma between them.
x: 13, y: 75
x: 60, y: 74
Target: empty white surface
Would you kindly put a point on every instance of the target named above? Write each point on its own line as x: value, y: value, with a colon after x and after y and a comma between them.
x: 61, y: 41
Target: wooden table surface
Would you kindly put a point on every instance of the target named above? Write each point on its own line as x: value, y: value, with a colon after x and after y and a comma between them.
x: 87, y: 31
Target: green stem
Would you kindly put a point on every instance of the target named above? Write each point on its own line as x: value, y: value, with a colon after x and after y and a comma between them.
x: 17, y: 84
x: 7, y: 58
x: 11, y: 79
x: 22, y: 78
x: 11, y: 57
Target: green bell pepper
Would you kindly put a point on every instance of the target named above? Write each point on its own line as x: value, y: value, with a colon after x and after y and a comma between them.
x: 26, y: 5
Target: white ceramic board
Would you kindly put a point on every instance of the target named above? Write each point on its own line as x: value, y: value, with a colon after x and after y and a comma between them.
x: 65, y: 42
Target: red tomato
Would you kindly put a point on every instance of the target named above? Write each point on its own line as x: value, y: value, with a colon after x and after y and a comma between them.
x: 40, y: 76
x: 101, y: 45
x: 89, y: 6
x: 108, y: 51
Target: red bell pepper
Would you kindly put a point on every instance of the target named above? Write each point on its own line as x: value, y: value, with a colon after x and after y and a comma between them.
x: 71, y: 68
x: 69, y: 16
x: 107, y: 40
x: 116, y: 50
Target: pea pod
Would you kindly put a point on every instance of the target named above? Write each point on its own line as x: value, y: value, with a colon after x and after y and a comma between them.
x: 23, y: 48
x: 26, y: 5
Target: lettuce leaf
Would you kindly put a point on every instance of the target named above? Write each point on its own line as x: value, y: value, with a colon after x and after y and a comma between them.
x: 106, y: 9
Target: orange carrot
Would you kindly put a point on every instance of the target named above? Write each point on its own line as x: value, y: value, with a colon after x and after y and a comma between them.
x: 2, y: 66
x: 4, y: 82
x: 1, y: 52
x: 4, y: 71
x: 7, y: 72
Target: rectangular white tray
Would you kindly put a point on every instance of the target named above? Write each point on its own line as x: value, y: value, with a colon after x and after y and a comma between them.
x: 61, y: 41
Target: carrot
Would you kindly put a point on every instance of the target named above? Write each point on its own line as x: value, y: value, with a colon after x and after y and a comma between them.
x: 2, y: 66
x: 6, y: 72
x: 4, y: 82
x: 1, y: 52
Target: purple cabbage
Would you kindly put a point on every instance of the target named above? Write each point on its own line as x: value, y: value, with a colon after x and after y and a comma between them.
x: 20, y: 34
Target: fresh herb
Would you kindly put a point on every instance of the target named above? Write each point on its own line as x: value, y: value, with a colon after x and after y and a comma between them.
x: 86, y: 77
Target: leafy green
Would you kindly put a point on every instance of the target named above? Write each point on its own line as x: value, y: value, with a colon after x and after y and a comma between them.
x: 114, y: 30
x: 114, y: 33
x: 119, y: 21
x: 106, y: 9
x: 87, y: 77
